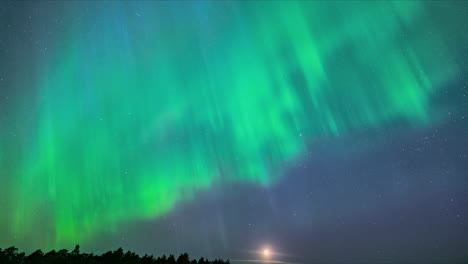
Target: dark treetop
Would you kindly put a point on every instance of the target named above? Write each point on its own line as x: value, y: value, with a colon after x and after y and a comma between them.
x: 11, y: 255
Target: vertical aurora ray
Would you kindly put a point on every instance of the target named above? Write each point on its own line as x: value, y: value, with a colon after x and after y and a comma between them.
x: 143, y: 104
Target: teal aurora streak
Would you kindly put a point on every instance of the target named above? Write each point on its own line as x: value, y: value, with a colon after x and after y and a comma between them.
x: 141, y: 105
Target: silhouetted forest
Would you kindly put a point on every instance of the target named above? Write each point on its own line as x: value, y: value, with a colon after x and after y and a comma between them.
x: 11, y: 255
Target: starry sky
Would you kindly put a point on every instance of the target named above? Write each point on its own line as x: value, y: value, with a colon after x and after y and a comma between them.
x: 327, y: 131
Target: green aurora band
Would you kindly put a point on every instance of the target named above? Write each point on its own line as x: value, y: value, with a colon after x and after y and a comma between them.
x: 142, y: 105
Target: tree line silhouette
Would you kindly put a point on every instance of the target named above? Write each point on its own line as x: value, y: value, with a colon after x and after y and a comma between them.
x: 11, y: 256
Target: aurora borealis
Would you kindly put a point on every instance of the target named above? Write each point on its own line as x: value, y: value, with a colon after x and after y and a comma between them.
x: 115, y: 113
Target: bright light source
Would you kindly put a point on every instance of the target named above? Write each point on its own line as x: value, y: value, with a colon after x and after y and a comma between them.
x: 266, y: 252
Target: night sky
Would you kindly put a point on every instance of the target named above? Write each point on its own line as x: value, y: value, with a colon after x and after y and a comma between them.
x: 326, y: 132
